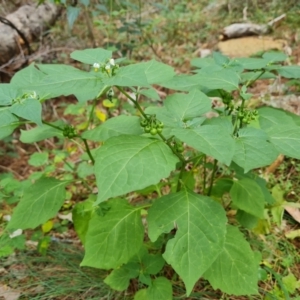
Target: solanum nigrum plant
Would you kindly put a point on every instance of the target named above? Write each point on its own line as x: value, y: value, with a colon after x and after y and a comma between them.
x: 197, y: 166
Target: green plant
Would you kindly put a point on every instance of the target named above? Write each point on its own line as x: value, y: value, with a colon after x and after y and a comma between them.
x: 186, y: 229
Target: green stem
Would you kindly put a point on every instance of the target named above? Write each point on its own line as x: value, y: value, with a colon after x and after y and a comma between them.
x: 51, y: 125
x: 204, y: 174
x: 256, y: 78
x: 88, y: 150
x: 212, y: 177
x: 182, y: 169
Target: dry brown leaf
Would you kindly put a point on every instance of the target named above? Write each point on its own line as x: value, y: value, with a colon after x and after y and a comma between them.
x: 9, y: 294
x: 294, y: 212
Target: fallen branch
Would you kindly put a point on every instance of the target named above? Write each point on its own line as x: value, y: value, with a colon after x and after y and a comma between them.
x: 24, y: 26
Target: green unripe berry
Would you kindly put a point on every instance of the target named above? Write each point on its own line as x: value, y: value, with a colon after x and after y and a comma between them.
x: 144, y: 123
x: 147, y: 129
x: 159, y: 130
x: 153, y: 131
x: 160, y: 125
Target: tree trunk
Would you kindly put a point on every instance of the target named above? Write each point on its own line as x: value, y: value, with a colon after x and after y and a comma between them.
x: 31, y: 21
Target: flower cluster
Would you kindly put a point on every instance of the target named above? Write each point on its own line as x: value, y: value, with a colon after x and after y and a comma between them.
x: 108, y: 67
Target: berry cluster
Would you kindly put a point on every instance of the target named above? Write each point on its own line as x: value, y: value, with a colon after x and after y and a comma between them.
x: 151, y: 125
x: 69, y: 131
x: 247, y: 116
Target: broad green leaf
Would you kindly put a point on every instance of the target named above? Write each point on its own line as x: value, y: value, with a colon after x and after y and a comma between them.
x: 201, y: 228
x: 247, y: 195
x: 67, y: 80
x: 275, y: 56
x: 224, y: 79
x: 129, y: 125
x: 8, y: 123
x: 272, y: 118
x: 157, y: 72
x: 161, y: 288
x: 235, y: 271
x: 286, y: 139
x: 29, y: 109
x: 91, y: 56
x: 8, y: 92
x: 81, y: 215
x: 40, y: 133
x: 132, y: 75
x: 179, y: 108
x: 38, y: 159
x: 295, y: 118
x: 115, y: 237
x: 212, y: 140
x: 250, y: 63
x: 182, y: 83
x: 222, y: 121
x: 290, y: 71
x: 252, y: 149
x: 127, y: 163
x: 27, y: 76
x: 40, y: 202
x: 119, y: 278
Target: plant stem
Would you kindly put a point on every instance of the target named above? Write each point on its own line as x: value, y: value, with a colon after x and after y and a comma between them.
x: 212, y: 177
x: 88, y: 150
x: 182, y: 169
x: 204, y: 174
x: 51, y: 125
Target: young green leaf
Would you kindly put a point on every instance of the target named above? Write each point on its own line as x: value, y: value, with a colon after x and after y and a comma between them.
x: 30, y: 109
x: 129, y: 125
x: 91, y: 56
x: 126, y: 163
x: 38, y: 159
x: 197, y: 218
x: 115, y: 237
x: 40, y: 202
x: 119, y: 278
x: 247, y: 195
x: 161, y: 288
x: 235, y: 271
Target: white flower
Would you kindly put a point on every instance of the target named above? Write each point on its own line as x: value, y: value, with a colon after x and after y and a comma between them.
x: 112, y: 62
x: 96, y: 65
x: 107, y: 67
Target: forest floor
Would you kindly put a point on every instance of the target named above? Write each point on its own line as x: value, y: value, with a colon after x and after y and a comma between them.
x: 173, y: 35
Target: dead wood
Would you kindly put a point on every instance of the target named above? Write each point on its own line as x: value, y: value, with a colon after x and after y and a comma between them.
x: 23, y: 26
